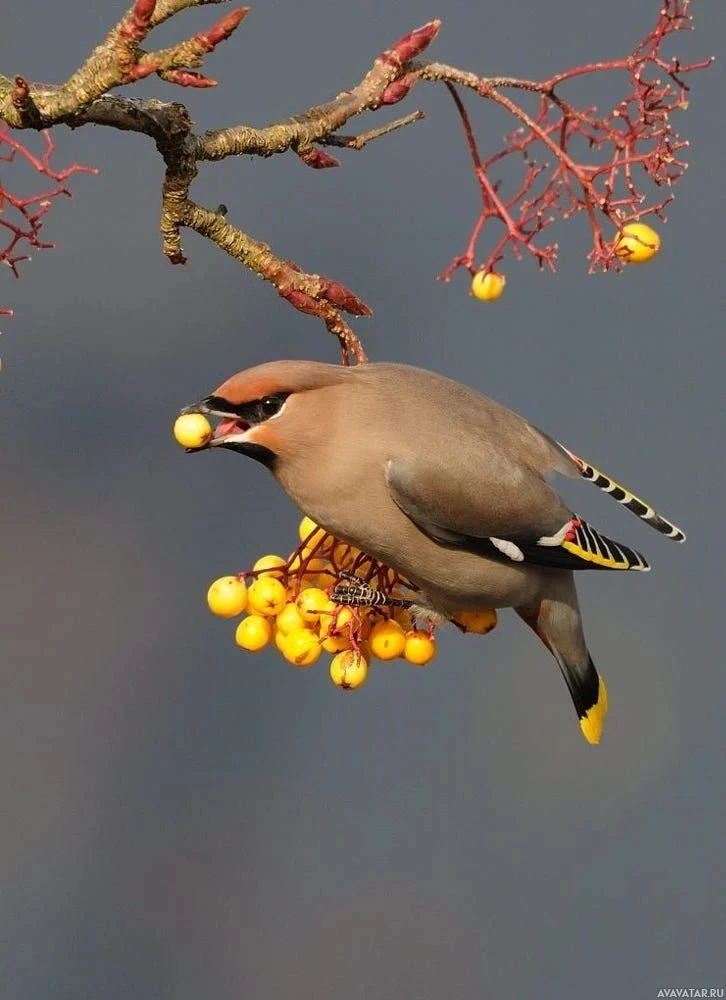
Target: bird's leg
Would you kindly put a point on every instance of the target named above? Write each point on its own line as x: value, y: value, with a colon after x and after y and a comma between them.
x: 359, y: 594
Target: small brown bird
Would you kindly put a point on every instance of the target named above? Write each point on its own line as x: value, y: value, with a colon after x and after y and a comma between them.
x: 445, y: 486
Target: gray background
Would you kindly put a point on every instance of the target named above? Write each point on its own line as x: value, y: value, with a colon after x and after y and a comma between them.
x: 182, y: 819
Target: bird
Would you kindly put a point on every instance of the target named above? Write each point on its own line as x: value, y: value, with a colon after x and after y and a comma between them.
x: 440, y: 483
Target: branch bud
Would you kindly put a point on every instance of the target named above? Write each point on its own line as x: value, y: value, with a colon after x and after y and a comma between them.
x: 136, y: 26
x: 316, y: 158
x: 411, y: 45
x: 397, y: 90
x: 222, y: 29
x: 300, y: 300
x: 343, y: 298
x: 140, y: 70
x: 187, y: 78
x: 21, y: 93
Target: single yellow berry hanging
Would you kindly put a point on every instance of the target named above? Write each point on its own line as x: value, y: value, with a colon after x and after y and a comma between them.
x: 487, y: 286
x: 192, y: 430
x: 311, y: 602
x: 253, y: 633
x: 266, y: 596
x: 637, y: 243
x: 337, y: 642
x: 348, y: 670
x: 227, y: 597
x: 301, y: 647
x: 420, y: 648
x: 289, y: 618
x: 308, y: 528
x: 387, y: 640
x: 319, y: 573
x: 278, y: 637
x: 478, y: 622
x: 270, y: 565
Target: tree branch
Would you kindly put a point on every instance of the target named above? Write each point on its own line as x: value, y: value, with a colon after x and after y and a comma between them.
x: 359, y: 141
x: 636, y: 132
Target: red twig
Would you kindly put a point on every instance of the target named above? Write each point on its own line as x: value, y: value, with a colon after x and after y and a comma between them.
x: 26, y: 221
x: 635, y: 140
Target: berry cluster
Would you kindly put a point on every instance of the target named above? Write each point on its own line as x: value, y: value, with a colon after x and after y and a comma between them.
x: 298, y: 604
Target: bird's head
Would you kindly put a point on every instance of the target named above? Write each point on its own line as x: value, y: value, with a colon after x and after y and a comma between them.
x: 265, y: 411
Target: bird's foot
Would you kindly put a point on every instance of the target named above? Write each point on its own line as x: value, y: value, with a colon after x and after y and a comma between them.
x: 359, y: 594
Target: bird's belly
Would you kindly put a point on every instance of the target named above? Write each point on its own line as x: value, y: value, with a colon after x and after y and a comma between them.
x: 452, y: 579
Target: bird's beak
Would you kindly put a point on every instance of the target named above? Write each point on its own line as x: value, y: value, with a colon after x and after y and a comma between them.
x: 230, y: 431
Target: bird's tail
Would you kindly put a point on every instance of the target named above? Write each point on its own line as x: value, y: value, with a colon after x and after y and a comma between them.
x: 556, y: 620
x: 627, y: 498
x: 589, y: 694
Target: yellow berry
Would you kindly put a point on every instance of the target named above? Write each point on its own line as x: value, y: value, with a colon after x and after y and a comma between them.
x: 487, y: 286
x: 420, y: 648
x: 337, y: 642
x: 319, y: 573
x: 301, y: 648
x: 336, y: 626
x: 344, y: 555
x: 279, y: 638
x: 338, y: 617
x: 253, y: 633
x: 334, y: 617
x: 227, y: 597
x: 387, y: 640
x: 479, y: 622
x: 637, y: 243
x: 266, y: 596
x: 294, y: 563
x: 309, y: 532
x: 192, y: 430
x: 311, y: 602
x: 269, y: 566
x: 289, y: 618
x: 348, y: 670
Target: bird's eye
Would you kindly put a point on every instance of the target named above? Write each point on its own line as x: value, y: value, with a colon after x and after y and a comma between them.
x: 270, y: 405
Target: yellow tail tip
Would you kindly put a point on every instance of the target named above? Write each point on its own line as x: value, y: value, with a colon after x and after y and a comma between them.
x: 592, y: 722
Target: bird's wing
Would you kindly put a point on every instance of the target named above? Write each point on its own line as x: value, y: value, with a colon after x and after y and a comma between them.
x: 624, y: 496
x: 503, y: 509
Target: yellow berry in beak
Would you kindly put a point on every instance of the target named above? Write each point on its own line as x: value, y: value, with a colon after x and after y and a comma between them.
x: 637, y: 243
x: 192, y: 430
